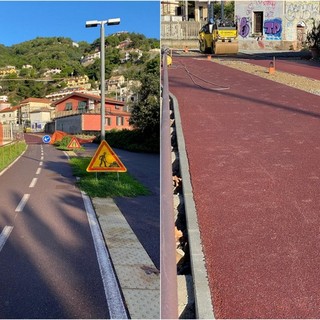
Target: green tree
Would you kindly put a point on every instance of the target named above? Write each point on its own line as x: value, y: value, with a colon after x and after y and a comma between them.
x: 145, y: 114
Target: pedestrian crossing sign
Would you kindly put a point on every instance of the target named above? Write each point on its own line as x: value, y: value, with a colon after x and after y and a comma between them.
x: 74, y: 144
x: 105, y: 159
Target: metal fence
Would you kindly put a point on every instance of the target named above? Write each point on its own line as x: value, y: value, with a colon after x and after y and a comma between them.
x: 12, y: 133
x: 180, y: 30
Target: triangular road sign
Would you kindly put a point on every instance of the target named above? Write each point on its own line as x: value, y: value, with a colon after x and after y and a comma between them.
x: 105, y: 159
x: 74, y: 144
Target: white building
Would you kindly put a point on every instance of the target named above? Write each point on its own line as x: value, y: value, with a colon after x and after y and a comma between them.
x: 39, y: 118
x: 9, y: 115
x: 281, y: 25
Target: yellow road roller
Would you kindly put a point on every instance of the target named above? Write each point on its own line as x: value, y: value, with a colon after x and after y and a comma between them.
x: 218, y: 38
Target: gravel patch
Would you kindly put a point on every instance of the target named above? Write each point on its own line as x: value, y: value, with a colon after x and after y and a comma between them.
x: 292, y: 80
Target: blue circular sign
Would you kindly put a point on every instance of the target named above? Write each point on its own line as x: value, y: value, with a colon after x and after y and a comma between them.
x: 46, y: 139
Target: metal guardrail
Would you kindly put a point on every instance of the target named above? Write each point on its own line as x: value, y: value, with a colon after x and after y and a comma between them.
x: 180, y: 30
x: 169, y: 294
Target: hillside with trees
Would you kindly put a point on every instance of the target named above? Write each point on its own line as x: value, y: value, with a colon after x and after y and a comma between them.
x: 33, y: 58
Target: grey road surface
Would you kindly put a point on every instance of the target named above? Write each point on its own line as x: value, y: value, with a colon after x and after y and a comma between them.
x: 48, y: 263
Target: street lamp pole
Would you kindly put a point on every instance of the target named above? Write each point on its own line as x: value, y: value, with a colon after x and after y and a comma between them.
x: 90, y: 24
x: 103, y: 83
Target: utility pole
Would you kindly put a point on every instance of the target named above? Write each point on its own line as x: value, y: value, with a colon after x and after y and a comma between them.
x: 186, y: 13
x: 222, y: 9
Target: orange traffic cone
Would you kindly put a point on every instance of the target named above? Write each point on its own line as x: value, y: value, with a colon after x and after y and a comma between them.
x: 272, y: 68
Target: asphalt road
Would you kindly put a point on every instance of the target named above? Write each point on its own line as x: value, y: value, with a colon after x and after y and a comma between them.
x: 142, y: 212
x: 48, y: 264
x: 253, y: 150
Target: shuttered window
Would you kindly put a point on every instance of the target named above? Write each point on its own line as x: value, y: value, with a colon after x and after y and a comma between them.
x: 258, y: 22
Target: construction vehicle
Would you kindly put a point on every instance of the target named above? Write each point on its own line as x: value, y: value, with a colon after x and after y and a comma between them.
x: 218, y: 37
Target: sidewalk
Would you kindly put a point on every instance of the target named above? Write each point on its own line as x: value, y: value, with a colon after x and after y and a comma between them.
x: 131, y: 228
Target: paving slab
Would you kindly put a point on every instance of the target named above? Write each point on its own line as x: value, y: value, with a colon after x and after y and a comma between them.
x: 138, y: 277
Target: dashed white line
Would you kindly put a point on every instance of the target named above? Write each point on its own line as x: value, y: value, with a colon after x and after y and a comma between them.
x: 22, y: 203
x: 5, y: 235
x: 33, y: 182
x: 41, y: 158
x: 40, y: 163
x: 115, y: 304
x: 38, y: 171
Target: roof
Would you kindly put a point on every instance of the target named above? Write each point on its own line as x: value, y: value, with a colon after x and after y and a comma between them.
x: 10, y: 109
x: 41, y: 110
x: 43, y: 100
x: 88, y: 96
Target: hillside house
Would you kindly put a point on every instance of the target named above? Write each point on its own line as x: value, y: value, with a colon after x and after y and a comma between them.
x: 115, y: 82
x: 80, y: 113
x: 77, y: 81
x: 52, y: 72
x: 32, y: 104
x: 86, y: 60
x: 39, y: 118
x: 9, y: 115
x: 7, y: 71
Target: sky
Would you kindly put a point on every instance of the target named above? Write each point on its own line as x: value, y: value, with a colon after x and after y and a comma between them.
x: 25, y: 20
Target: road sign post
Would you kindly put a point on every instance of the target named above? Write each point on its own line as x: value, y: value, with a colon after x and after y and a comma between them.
x: 105, y: 160
x: 46, y: 139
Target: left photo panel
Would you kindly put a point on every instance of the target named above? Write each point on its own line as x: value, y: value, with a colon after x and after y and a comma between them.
x: 80, y: 160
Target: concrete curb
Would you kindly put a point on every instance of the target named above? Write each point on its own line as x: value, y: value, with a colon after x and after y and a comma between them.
x: 203, y: 301
x: 138, y: 277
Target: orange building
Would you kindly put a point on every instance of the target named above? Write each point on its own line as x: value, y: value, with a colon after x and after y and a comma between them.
x: 80, y: 112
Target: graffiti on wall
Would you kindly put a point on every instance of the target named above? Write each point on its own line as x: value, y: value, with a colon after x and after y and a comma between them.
x: 300, y: 13
x: 273, y: 29
x: 244, y: 27
x: 302, y: 10
x: 268, y: 6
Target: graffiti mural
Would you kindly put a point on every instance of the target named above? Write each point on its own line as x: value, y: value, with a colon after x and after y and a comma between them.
x: 244, y: 27
x: 273, y: 29
x: 302, y: 10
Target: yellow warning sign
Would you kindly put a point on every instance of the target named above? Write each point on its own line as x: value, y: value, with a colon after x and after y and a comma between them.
x: 105, y: 159
x: 74, y: 144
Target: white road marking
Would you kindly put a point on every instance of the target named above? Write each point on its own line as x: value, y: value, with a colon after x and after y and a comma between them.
x: 33, y: 182
x: 115, y: 304
x: 38, y: 171
x: 66, y: 154
x: 40, y: 163
x: 41, y: 158
x: 22, y: 202
x: 5, y: 235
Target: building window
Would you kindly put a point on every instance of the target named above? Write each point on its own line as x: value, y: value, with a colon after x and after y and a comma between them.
x: 68, y: 106
x: 116, y: 107
x: 82, y: 106
x: 119, y: 121
x: 108, y: 121
x: 258, y: 22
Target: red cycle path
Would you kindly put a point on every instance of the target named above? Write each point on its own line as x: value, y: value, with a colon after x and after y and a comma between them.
x: 309, y: 69
x: 254, y: 156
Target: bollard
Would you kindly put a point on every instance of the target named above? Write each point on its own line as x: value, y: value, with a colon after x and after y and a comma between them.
x: 272, y: 68
x: 209, y: 57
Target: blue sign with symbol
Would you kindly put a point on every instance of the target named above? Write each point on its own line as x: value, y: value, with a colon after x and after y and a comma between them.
x: 46, y: 139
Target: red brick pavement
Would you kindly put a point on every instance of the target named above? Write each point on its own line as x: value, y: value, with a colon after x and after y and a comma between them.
x: 253, y: 151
